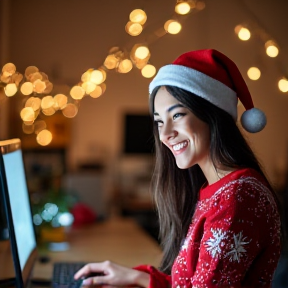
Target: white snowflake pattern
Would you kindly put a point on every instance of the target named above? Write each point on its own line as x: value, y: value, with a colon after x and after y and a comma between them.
x: 237, y: 250
x: 185, y: 244
x: 213, y: 244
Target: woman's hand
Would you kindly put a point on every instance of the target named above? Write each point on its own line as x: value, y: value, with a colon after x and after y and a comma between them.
x: 113, y: 274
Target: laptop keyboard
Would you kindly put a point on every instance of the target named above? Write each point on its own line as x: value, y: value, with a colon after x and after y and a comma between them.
x: 63, y: 274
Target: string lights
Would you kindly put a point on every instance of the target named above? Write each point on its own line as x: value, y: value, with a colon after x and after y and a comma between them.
x: 271, y: 49
x: 37, y: 88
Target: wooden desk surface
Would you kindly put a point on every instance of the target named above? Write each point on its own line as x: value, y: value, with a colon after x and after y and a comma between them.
x: 118, y: 239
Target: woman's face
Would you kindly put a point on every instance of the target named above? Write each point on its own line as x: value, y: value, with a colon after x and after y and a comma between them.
x: 181, y: 131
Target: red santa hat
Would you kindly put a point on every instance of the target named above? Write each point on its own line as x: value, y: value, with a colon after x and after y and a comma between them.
x: 213, y: 76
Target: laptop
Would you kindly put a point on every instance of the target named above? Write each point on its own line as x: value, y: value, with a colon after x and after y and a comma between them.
x: 17, y: 211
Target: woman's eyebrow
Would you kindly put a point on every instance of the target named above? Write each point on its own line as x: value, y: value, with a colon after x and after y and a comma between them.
x: 169, y: 109
x: 174, y: 106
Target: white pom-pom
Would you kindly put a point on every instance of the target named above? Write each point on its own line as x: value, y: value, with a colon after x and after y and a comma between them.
x: 253, y: 120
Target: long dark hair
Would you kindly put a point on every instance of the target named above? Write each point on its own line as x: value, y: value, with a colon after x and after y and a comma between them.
x: 176, y: 190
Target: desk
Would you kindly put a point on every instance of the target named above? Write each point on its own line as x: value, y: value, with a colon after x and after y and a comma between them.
x: 119, y: 239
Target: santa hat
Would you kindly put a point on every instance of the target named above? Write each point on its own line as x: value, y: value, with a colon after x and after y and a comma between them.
x: 213, y: 76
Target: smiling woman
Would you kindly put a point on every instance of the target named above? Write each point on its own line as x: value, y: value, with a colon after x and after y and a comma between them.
x: 181, y: 131
x: 219, y: 217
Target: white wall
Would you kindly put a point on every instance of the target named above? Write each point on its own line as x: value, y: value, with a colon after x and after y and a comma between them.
x: 65, y: 38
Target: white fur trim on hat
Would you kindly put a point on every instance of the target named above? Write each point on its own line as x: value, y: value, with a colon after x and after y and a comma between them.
x: 198, y: 83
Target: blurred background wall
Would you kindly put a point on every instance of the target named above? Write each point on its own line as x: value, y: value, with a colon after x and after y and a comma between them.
x: 65, y: 38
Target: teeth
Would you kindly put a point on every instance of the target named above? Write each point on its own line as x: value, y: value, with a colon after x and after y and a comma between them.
x: 179, y: 146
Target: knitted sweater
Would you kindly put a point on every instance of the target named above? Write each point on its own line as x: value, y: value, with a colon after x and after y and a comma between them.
x: 233, y: 239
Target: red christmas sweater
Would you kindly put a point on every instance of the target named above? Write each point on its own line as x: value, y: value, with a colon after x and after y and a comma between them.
x: 233, y: 239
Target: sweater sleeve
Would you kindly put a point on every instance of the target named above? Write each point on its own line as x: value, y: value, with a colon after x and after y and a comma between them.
x: 234, y: 236
x: 157, y: 279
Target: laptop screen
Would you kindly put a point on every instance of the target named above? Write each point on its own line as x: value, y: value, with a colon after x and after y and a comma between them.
x: 18, y: 210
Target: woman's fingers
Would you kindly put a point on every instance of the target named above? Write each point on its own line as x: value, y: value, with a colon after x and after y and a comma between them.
x: 99, y: 280
x: 89, y: 269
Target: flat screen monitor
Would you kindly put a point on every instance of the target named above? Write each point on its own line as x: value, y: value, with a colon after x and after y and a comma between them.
x: 17, y: 209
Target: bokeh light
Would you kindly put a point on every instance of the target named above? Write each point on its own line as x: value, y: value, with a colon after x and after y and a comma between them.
x: 243, y: 33
x: 172, y: 26
x: 283, y: 85
x: 70, y: 111
x: 133, y: 29
x: 271, y: 49
x: 138, y: 16
x: 148, y: 71
x: 182, y: 8
x: 254, y: 73
x: 44, y: 138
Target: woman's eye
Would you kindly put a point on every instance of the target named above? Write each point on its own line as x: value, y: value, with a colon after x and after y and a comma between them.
x: 158, y: 123
x: 177, y: 115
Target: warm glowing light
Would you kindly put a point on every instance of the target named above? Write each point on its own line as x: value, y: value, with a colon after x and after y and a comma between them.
x: 39, y: 125
x: 125, y: 66
x: 242, y: 32
x: 5, y: 77
x: 47, y: 102
x: 44, y: 76
x: 182, y: 8
x: 44, y: 137
x: 27, y: 114
x: 99, y: 90
x: 271, y: 49
x: 138, y: 16
x: 70, y: 110
x: 283, y: 85
x: 49, y: 111
x: 142, y: 52
x: 98, y: 76
x: 10, y: 89
x: 39, y: 86
x: 172, y: 27
x: 9, y: 69
x: 49, y: 87
x: 30, y: 70
x: 35, y: 76
x: 254, y: 73
x: 86, y: 76
x: 17, y: 78
x: 77, y: 92
x: 148, y: 71
x: 88, y: 87
x: 111, y: 61
x: 27, y: 88
x: 60, y: 101
x: 28, y: 129
x: 133, y: 29
x: 34, y: 103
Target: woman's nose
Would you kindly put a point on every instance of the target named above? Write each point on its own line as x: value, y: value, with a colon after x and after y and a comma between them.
x: 167, y: 132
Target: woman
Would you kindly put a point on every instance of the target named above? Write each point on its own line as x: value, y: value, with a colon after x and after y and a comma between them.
x: 219, y: 220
